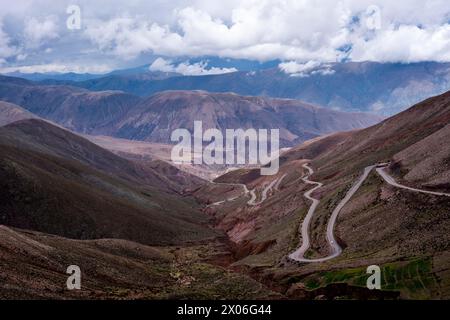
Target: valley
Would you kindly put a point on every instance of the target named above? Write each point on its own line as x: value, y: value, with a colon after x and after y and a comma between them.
x: 98, y: 189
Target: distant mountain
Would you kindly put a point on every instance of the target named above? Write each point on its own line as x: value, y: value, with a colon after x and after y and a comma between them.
x: 74, y: 108
x: 57, y: 182
x: 156, y: 117
x: 69, y: 76
x: 384, y: 88
x: 123, y: 115
x: 118, y: 80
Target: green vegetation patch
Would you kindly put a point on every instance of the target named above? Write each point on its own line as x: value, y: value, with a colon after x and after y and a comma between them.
x: 414, y: 278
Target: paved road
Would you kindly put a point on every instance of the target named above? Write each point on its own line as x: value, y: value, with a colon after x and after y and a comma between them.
x: 245, y: 191
x: 298, y: 255
x: 336, y: 250
x: 392, y: 182
x: 252, y: 202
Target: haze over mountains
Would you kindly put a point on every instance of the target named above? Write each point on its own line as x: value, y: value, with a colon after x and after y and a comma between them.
x: 384, y: 88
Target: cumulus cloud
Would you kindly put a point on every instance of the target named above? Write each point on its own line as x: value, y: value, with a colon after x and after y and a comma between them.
x: 185, y: 68
x: 296, y: 69
x: 406, y: 44
x: 37, y: 32
x: 290, y: 30
x: 256, y: 30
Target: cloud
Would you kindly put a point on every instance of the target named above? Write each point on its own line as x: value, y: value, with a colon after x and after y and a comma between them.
x: 290, y: 30
x: 296, y: 69
x: 185, y: 68
x: 37, y: 32
x: 405, y: 44
x: 255, y: 30
x: 57, y: 68
x: 127, y: 37
x: 7, y: 50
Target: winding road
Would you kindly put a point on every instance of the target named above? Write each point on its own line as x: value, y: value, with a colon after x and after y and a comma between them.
x: 299, y: 254
x: 252, y: 202
x: 274, y: 184
x: 392, y: 182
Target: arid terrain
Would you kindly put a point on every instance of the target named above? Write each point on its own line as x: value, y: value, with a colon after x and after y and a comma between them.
x: 141, y: 228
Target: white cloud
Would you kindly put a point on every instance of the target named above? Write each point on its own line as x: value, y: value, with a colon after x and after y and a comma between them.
x: 296, y: 69
x: 38, y: 32
x: 405, y: 44
x: 256, y: 30
x: 290, y: 30
x: 195, y: 69
x: 127, y: 37
x: 57, y: 68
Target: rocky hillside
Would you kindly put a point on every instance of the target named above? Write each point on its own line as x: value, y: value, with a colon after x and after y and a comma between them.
x: 56, y: 182
x: 394, y: 228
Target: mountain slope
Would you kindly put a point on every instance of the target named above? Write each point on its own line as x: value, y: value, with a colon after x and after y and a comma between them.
x: 156, y: 117
x: 10, y: 113
x: 74, y: 108
x: 394, y: 228
x: 56, y: 182
x: 34, y: 267
x: 153, y: 119
x: 390, y: 137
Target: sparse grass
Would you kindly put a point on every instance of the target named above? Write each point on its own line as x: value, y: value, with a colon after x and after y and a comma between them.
x: 286, y: 233
x: 413, y: 278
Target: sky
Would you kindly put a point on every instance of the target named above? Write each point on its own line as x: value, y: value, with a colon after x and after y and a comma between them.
x: 102, y: 35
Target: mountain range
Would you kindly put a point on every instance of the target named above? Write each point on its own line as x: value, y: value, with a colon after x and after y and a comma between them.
x: 140, y: 228
x: 123, y: 115
x: 383, y: 88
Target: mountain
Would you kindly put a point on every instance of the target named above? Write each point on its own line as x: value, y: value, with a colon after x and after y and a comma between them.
x: 156, y: 117
x: 384, y: 88
x: 404, y: 138
x: 403, y: 231
x: 153, y: 119
x: 66, y: 201
x: 74, y: 108
x: 10, y: 113
x: 56, y: 182
x: 69, y: 76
